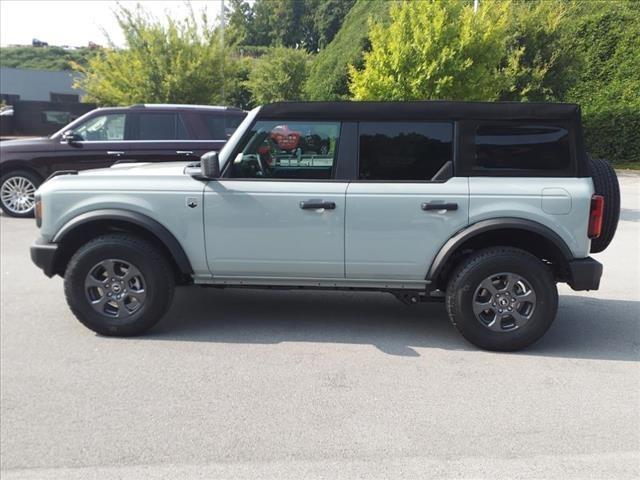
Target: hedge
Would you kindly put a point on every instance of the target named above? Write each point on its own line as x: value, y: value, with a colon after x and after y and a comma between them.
x: 613, y: 134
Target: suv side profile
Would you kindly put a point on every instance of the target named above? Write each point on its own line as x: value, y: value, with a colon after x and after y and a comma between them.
x: 104, y: 136
x: 485, y: 206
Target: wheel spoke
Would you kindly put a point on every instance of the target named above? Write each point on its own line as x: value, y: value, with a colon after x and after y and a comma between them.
x: 481, y: 307
x: 488, y: 285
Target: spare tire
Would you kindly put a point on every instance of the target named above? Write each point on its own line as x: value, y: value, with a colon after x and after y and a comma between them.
x: 605, y: 183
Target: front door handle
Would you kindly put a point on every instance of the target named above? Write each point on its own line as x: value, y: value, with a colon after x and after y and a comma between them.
x: 114, y: 153
x: 439, y: 206
x: 184, y: 152
x: 317, y: 204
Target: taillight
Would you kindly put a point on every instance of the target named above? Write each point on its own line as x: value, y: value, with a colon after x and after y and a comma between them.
x: 595, y: 216
x: 37, y: 211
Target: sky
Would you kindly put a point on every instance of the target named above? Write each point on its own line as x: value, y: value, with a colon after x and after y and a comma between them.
x: 76, y: 23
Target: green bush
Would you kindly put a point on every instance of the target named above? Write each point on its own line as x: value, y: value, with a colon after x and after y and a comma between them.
x: 278, y: 75
x: 613, y: 134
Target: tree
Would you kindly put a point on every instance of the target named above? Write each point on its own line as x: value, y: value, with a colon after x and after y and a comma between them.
x: 182, y: 62
x: 278, y: 75
x: 436, y: 50
x: 328, y: 75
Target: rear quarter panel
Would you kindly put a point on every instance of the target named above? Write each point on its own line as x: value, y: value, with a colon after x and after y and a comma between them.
x: 561, y: 204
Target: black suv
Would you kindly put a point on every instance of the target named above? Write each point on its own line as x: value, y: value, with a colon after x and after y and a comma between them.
x: 102, y: 137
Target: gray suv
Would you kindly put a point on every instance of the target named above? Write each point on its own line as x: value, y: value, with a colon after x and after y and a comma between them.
x: 485, y: 206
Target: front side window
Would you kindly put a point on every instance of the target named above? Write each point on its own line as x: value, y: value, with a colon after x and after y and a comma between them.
x: 404, y: 150
x: 281, y: 149
x: 102, y: 128
x: 529, y: 147
x: 160, y: 126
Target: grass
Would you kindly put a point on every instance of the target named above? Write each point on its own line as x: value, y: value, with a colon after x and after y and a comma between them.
x: 626, y: 165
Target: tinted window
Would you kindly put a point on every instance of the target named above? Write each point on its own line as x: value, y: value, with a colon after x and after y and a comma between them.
x: 302, y: 150
x: 404, y: 150
x: 221, y: 125
x: 160, y: 126
x: 531, y: 147
x: 102, y: 128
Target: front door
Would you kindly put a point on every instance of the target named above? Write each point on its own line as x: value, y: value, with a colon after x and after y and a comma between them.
x: 277, y: 212
x: 405, y: 204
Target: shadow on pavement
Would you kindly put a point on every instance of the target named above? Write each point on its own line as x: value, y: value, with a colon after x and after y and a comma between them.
x: 584, y: 328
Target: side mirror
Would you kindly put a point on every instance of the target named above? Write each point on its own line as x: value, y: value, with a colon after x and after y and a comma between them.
x: 71, y: 137
x: 210, y: 165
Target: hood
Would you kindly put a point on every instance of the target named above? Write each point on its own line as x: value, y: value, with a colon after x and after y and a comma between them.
x: 36, y: 144
x: 146, y: 169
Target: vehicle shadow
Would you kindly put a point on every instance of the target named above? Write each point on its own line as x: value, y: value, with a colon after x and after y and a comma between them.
x: 584, y: 328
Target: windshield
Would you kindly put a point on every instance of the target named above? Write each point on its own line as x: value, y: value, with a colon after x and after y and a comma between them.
x: 224, y: 154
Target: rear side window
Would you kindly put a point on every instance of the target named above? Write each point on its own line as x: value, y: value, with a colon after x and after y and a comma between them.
x: 160, y: 126
x: 404, y: 150
x: 522, y: 147
x: 221, y: 125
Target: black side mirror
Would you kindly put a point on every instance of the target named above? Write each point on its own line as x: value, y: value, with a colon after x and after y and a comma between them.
x: 210, y: 165
x: 71, y: 137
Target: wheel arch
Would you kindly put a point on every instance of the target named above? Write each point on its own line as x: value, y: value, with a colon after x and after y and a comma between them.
x: 527, y: 235
x: 92, y: 224
x: 8, y: 166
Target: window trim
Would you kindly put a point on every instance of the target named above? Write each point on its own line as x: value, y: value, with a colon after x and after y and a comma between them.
x: 468, y: 168
x: 226, y: 172
x: 454, y: 151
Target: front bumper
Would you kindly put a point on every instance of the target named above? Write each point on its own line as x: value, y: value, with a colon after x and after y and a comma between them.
x: 43, y: 254
x: 584, y: 274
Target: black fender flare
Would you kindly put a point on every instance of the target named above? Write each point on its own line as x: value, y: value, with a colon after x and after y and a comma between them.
x: 483, y: 226
x: 150, y: 225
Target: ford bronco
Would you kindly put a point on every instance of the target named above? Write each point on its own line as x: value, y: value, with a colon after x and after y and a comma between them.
x: 485, y: 206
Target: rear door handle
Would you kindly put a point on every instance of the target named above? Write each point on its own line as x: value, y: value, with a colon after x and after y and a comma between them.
x: 439, y: 206
x: 317, y: 204
x: 184, y: 152
x: 115, y: 153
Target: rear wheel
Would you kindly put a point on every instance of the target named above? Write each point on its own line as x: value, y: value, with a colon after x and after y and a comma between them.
x: 605, y: 183
x: 119, y: 285
x: 502, y: 299
x: 17, y: 193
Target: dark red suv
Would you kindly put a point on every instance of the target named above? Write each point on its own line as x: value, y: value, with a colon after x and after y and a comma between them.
x: 141, y: 133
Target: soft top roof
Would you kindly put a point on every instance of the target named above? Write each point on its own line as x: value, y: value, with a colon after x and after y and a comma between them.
x: 432, y: 109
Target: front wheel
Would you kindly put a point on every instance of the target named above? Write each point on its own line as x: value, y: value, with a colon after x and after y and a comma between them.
x: 17, y: 193
x: 119, y: 285
x: 502, y: 299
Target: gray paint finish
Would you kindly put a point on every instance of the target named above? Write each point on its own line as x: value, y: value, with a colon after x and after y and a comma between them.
x: 36, y: 85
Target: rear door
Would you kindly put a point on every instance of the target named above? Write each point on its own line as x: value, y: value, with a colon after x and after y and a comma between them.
x: 160, y: 136
x: 405, y: 203
x: 278, y: 213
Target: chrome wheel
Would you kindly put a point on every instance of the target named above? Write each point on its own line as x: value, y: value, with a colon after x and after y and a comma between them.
x: 115, y: 288
x: 504, y: 302
x: 18, y: 195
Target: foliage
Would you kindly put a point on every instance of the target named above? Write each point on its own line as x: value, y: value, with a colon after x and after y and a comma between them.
x: 328, y: 75
x: 176, y: 62
x: 278, y: 75
x: 436, y: 50
x: 308, y: 24
x: 605, y: 37
x: 44, y: 58
x: 539, y: 64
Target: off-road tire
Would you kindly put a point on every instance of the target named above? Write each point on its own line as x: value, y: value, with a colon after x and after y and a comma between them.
x: 605, y: 182
x: 34, y: 179
x: 467, y: 277
x: 159, y: 283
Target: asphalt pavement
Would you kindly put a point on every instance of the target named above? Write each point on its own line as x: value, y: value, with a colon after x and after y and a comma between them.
x: 303, y: 385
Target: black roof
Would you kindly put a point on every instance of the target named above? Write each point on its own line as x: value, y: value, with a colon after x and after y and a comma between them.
x: 432, y: 109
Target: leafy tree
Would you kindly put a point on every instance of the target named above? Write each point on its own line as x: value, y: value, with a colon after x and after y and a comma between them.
x: 328, y: 75
x: 239, y: 23
x: 328, y: 16
x: 278, y: 75
x: 436, y: 49
x: 180, y: 62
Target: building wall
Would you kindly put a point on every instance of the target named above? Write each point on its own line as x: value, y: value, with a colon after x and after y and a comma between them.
x: 37, y: 84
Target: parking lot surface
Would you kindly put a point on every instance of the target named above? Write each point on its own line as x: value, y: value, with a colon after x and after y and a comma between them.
x: 301, y: 385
